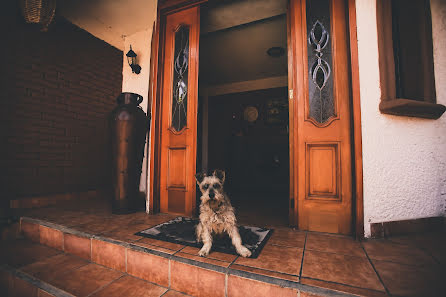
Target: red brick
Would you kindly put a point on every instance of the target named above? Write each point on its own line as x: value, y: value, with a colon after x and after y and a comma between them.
x: 57, y: 85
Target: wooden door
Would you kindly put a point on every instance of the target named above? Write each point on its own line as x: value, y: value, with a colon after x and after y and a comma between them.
x: 179, y: 112
x: 320, y: 139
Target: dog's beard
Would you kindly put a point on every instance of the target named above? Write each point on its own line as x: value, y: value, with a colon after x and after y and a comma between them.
x: 214, y: 203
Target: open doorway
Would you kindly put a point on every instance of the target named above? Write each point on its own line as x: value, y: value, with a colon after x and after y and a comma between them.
x: 243, y: 106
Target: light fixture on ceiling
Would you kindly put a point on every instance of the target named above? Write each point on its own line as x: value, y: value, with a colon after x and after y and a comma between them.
x: 276, y: 51
x: 131, y: 59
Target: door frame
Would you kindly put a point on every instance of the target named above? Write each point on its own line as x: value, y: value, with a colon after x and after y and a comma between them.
x: 166, y: 7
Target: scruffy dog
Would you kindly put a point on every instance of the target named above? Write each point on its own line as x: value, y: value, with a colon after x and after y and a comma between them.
x: 216, y: 214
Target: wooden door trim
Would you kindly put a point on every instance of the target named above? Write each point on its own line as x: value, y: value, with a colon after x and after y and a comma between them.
x: 154, y: 97
x: 292, y: 206
x: 357, y: 132
x: 164, y: 8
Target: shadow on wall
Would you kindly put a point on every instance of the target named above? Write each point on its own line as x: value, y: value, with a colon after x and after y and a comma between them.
x: 60, y: 87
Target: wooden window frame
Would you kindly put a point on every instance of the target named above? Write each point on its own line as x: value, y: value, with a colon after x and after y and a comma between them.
x: 390, y: 103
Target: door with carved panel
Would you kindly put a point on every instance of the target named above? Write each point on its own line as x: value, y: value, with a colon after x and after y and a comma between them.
x: 320, y: 139
x: 179, y: 112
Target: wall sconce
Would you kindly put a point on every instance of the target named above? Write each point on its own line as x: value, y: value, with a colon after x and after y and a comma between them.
x: 131, y: 59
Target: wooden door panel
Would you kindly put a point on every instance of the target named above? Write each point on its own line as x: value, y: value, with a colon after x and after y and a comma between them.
x: 176, y: 174
x: 323, y: 171
x: 322, y: 145
x: 179, y: 112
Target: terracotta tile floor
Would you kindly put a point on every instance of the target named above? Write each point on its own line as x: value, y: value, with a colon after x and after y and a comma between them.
x: 403, y: 266
x: 71, y: 274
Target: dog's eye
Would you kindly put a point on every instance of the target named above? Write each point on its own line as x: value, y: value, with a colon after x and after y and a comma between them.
x: 205, y: 186
x: 217, y: 186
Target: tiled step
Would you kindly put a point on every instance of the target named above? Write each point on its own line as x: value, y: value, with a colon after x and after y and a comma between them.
x: 9, y: 231
x: 162, y: 267
x: 33, y: 270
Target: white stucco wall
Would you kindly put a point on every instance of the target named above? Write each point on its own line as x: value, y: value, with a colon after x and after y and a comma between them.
x: 132, y: 82
x: 404, y: 159
x: 139, y: 83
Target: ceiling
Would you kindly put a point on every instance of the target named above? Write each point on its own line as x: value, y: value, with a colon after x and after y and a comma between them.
x: 222, y: 14
x: 109, y: 20
x: 235, y: 33
x: 237, y: 53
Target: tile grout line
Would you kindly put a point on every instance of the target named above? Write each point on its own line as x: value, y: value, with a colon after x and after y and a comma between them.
x: 335, y: 253
x: 342, y: 284
x: 37, y: 283
x: 176, y: 251
x: 275, y: 271
x: 303, y: 255
x: 233, y: 261
x: 376, y: 271
x: 226, y: 285
x: 124, y: 274
x: 91, y: 249
x: 104, y: 286
x: 227, y: 274
x: 423, y: 249
x: 126, y: 249
x: 403, y: 264
x: 170, y: 276
x: 63, y: 241
x: 50, y: 257
x: 74, y: 269
x: 213, y: 259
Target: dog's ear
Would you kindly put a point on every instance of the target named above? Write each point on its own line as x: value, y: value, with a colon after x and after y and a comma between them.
x: 199, y: 177
x: 220, y: 174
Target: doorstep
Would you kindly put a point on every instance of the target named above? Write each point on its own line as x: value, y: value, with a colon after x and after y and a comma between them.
x: 177, y: 267
x: 292, y: 263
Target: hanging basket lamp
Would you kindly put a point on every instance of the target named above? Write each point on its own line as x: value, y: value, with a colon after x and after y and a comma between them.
x: 39, y: 12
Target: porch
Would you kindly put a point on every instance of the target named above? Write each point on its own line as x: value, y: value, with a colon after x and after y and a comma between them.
x: 83, y: 249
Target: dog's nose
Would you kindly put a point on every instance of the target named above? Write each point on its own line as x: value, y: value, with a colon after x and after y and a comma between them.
x: 211, y: 194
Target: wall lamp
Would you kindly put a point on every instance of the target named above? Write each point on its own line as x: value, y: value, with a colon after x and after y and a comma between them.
x: 131, y: 59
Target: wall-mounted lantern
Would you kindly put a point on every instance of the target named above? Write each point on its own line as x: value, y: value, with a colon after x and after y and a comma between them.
x: 131, y: 59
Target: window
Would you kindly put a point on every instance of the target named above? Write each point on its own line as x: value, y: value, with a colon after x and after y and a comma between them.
x: 406, y: 59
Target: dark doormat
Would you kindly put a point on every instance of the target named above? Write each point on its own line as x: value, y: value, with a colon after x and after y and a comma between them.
x: 182, y: 230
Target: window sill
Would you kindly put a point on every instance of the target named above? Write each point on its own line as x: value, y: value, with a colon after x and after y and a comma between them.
x: 412, y: 108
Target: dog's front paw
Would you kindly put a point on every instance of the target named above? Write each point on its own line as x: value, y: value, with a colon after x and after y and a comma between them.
x: 244, y: 252
x: 203, y: 252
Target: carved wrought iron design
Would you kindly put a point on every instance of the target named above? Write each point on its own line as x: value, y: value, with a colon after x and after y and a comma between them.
x: 180, y: 79
x: 320, y: 71
x: 321, y: 103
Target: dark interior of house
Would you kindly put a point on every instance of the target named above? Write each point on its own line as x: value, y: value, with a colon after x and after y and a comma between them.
x: 253, y: 154
x: 243, y: 111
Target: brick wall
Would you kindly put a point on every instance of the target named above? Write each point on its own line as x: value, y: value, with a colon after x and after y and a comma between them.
x: 58, y: 88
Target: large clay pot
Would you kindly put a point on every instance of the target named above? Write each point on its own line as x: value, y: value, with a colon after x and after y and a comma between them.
x: 129, y: 125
